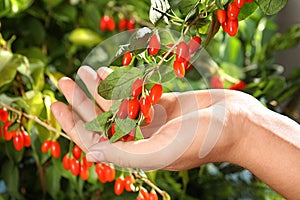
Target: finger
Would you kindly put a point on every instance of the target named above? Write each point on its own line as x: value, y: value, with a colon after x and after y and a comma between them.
x: 92, y: 80
x: 84, y: 107
x: 73, y: 126
x: 156, y: 152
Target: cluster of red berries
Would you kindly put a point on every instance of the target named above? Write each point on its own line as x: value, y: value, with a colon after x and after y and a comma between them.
x: 145, y: 195
x: 108, y: 23
x: 19, y: 135
x: 183, y: 53
x: 229, y: 18
x: 53, y: 146
x: 139, y: 105
x: 217, y: 83
x: 76, y: 162
x: 127, y: 184
x: 122, y: 184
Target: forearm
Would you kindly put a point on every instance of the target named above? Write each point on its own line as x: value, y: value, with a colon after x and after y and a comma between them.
x: 271, y: 150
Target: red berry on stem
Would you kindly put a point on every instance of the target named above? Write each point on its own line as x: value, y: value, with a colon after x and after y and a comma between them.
x: 18, y: 142
x: 133, y: 108
x: 155, y: 93
x: 122, y: 24
x: 112, y: 130
x: 100, y: 172
x: 154, y: 45
x: 129, y: 180
x: 144, y: 193
x: 119, y: 185
x: 179, y: 68
x: 46, y: 146
x: 137, y: 87
x: 249, y: 1
x: 103, y: 23
x: 153, y: 195
x: 76, y: 151
x: 75, y: 167
x: 8, y: 135
x: 111, y: 24
x: 239, y: 3
x: 109, y: 172
x: 182, y: 51
x: 26, y: 138
x: 127, y: 58
x: 233, y: 26
x: 66, y: 162
x: 122, y: 112
x: 3, y: 115
x: 130, y: 24
x: 233, y: 11
x: 145, y: 105
x: 84, y: 172
x: 222, y: 16
x: 55, y: 149
x: 225, y: 26
x: 194, y: 44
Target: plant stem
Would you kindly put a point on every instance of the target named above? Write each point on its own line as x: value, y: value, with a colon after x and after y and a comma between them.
x: 34, y: 118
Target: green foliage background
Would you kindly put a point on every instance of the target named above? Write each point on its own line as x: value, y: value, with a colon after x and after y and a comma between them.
x: 41, y: 41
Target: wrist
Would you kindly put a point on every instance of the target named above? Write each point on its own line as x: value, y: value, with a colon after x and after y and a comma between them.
x: 269, y: 149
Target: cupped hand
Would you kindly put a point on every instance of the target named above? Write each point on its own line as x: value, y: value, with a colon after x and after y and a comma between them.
x: 188, y: 129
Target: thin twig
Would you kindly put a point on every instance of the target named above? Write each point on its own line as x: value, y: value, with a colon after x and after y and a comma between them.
x: 34, y: 118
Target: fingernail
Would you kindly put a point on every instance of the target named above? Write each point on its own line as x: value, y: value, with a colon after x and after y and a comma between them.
x: 103, y: 72
x: 95, y: 156
x: 86, y: 70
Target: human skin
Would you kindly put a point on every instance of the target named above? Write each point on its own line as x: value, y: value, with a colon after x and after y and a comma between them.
x: 191, y: 129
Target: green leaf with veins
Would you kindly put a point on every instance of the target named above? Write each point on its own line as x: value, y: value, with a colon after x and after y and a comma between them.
x: 118, y: 84
x: 271, y: 7
x: 126, y: 124
x: 99, y: 124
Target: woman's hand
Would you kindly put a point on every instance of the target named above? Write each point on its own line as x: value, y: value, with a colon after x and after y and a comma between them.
x: 189, y: 129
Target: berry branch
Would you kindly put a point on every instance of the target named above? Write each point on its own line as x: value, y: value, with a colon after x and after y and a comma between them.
x: 163, y: 193
x: 34, y: 118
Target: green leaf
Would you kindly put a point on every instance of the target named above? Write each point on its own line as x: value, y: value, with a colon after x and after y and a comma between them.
x: 53, y: 177
x: 126, y: 125
x: 271, y: 7
x: 247, y: 10
x: 91, y: 15
x: 117, y: 85
x: 186, y: 6
x: 138, y: 133
x: 65, y: 13
x: 5, y: 57
x: 99, y: 124
x: 10, y: 174
x: 118, y: 134
x: 9, y: 67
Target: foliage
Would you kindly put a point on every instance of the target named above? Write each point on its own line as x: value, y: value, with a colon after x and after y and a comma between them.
x: 42, y: 41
